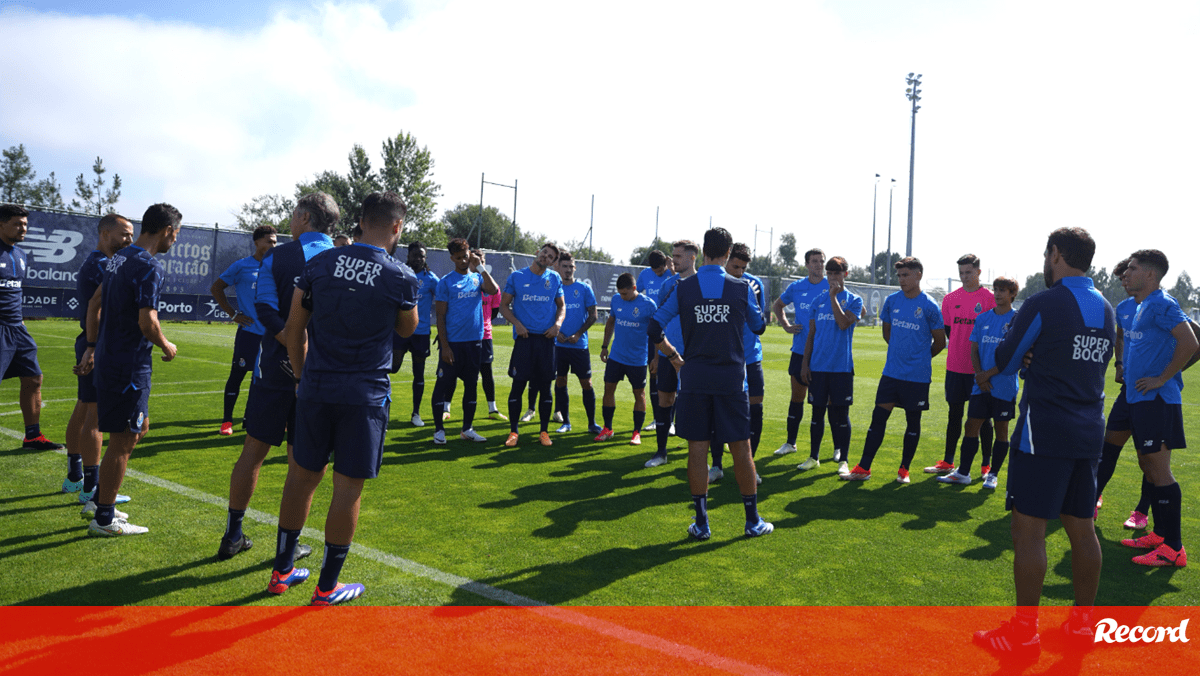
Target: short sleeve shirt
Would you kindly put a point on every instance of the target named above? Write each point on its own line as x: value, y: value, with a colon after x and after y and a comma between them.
x: 425, y: 297
x: 1149, y: 347
x: 987, y: 333
x: 833, y: 347
x: 752, y: 344
x: 959, y: 310
x: 631, y: 321
x: 577, y: 298
x: 651, y: 284
x: 913, y: 322
x: 12, y: 276
x: 243, y: 277
x: 533, y: 298
x: 91, y: 274
x: 132, y: 281
x: 800, y: 295
x: 463, y: 297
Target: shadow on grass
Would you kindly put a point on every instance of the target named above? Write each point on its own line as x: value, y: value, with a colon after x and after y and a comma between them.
x: 29, y: 496
x: 172, y: 642
x: 138, y: 588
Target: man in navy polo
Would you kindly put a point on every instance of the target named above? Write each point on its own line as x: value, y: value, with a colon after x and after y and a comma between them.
x: 533, y: 303
x: 1068, y: 333
x: 628, y: 322
x: 345, y: 307
x: 84, y: 439
x: 458, y: 305
x: 713, y: 308
x: 18, y: 352
x: 571, y: 346
x: 242, y: 275
x: 123, y: 320
x: 271, y: 402
x: 418, y: 343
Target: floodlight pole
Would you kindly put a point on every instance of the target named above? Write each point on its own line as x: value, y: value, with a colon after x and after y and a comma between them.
x: 514, y: 216
x: 874, y: 212
x: 914, y: 95
x: 887, y: 264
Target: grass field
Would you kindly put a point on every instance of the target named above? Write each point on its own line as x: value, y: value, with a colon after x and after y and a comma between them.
x: 578, y: 523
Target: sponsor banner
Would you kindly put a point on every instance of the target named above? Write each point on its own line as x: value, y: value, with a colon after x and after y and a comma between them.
x: 171, y: 306
x: 565, y: 641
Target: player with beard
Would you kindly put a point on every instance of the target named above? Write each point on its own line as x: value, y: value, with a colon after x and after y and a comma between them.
x: 533, y: 303
x: 683, y: 259
x: 571, y: 346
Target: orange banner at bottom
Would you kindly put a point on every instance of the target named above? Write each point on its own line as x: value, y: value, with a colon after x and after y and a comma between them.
x: 766, y: 641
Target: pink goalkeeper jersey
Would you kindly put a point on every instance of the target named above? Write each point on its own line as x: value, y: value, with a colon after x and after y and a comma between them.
x: 489, y: 303
x: 959, y: 310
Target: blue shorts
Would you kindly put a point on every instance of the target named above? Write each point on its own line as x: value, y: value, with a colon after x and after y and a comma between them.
x: 1045, y: 486
x: 245, y: 349
x: 465, y: 367
x: 487, y: 354
x: 353, y: 434
x: 532, y: 359
x: 830, y: 389
x: 795, y: 365
x: 417, y: 344
x: 959, y: 386
x: 123, y: 411
x: 270, y: 415
x: 905, y: 394
x: 719, y: 418
x: 1155, y: 424
x: 18, y: 353
x: 1118, y: 416
x: 668, y: 377
x: 571, y: 360
x: 87, y: 385
x: 615, y: 371
x: 754, y: 379
x: 984, y: 406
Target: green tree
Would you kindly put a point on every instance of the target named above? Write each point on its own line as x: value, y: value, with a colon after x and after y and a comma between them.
x: 640, y: 254
x: 884, y: 268
x: 858, y: 274
x: 95, y: 199
x: 19, y: 184
x: 408, y: 169
x: 273, y: 210
x: 493, y: 230
x: 336, y: 186
x: 786, y: 253
x: 585, y: 253
x: 1034, y: 283
x: 1183, y: 291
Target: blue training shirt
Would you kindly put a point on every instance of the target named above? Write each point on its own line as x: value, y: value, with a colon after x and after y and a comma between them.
x: 463, y: 296
x: 833, y: 347
x: 988, y: 331
x: 242, y: 275
x: 631, y: 322
x: 356, y: 292
x: 277, y: 279
x: 913, y: 320
x: 751, y: 343
x: 91, y: 274
x: 651, y: 284
x: 800, y: 295
x: 425, y: 296
x: 132, y: 281
x: 577, y: 297
x: 1149, y: 347
x: 13, y: 265
x: 713, y: 308
x: 533, y: 298
x: 671, y: 329
x: 1070, y: 329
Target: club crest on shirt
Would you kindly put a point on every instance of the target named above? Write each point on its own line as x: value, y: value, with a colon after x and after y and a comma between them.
x: 547, y: 283
x: 978, y: 308
x: 918, y: 312
x: 575, y: 291
x: 637, y: 311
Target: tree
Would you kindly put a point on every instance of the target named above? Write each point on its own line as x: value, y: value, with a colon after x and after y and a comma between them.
x: 858, y: 274
x: 19, y: 184
x: 786, y: 253
x: 492, y: 231
x: 95, y: 199
x: 884, y: 269
x: 585, y: 253
x: 1034, y: 283
x: 333, y: 184
x: 640, y: 254
x: 408, y: 170
x: 273, y: 210
x: 1183, y: 291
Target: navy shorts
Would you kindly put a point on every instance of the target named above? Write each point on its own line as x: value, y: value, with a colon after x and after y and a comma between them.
x: 1045, y: 487
x: 487, y: 354
x: 1118, y: 416
x: 571, y: 360
x: 18, y: 352
x: 830, y: 389
x: 959, y: 386
x: 906, y: 394
x: 271, y: 415
x: 615, y: 371
x: 1156, y: 424
x: 87, y: 385
x: 984, y: 406
x: 123, y: 411
x: 467, y: 357
x: 352, y: 434
x: 417, y: 344
x: 532, y: 359
x: 719, y: 418
x: 668, y: 377
x: 245, y: 349
x: 795, y: 365
x: 754, y: 379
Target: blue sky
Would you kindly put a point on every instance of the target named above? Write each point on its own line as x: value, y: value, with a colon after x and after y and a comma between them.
x: 771, y: 114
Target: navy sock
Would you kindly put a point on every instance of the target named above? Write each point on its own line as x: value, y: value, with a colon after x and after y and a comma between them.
x: 756, y: 424
x: 285, y: 549
x: 639, y: 419
x: 331, y: 566
x: 1108, y: 465
x: 953, y: 429
x: 608, y: 412
x: 533, y: 399
x: 233, y: 525
x: 970, y: 448
x: 875, y: 432
x: 514, y: 404
x: 91, y: 477
x: 74, y: 466
x: 468, y: 407
x: 105, y: 514
x: 589, y: 406
x: 1168, y: 514
x: 718, y: 452
x: 839, y: 422
x: 662, y: 433
x: 233, y: 387
x: 562, y: 402
x: 912, y: 437
x: 545, y: 406
x: 33, y: 431
x: 816, y: 431
x: 700, y: 504
x: 418, y: 386
x: 1143, y: 504
x: 795, y: 415
x: 986, y: 434
x: 489, y: 385
x: 999, y: 453
x: 750, y: 502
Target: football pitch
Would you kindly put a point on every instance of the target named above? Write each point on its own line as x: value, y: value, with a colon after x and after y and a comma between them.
x: 579, y: 523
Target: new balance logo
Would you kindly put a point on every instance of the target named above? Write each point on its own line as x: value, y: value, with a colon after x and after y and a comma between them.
x: 1148, y: 444
x: 1109, y: 631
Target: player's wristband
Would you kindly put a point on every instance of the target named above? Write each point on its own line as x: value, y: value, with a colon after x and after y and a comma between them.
x: 89, y: 344
x: 603, y: 347
x: 1118, y: 363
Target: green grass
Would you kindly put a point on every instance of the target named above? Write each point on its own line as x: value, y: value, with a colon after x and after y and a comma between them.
x: 578, y: 523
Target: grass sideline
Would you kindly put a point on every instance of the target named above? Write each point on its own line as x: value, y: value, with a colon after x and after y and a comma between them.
x: 578, y: 523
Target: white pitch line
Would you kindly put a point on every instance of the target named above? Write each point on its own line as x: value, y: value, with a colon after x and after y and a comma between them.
x: 565, y: 615
x: 153, y: 395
